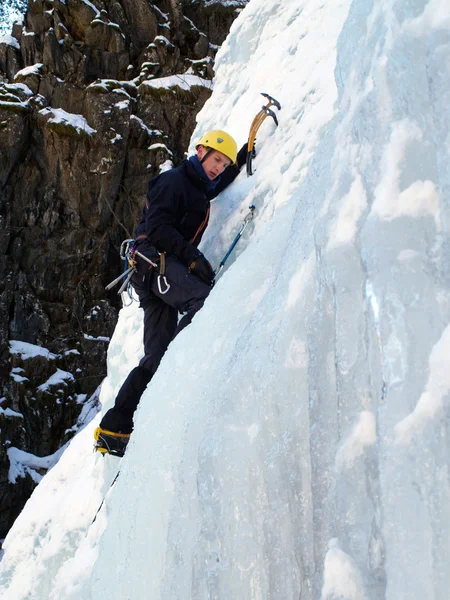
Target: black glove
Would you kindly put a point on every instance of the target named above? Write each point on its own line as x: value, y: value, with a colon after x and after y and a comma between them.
x: 202, y: 269
x: 241, y: 158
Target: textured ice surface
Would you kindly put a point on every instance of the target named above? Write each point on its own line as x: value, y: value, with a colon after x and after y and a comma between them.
x: 294, y: 442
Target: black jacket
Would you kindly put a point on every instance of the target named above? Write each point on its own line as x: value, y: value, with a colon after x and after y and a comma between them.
x: 176, y: 212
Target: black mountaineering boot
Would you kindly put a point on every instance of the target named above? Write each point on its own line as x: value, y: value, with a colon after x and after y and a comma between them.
x: 109, y: 442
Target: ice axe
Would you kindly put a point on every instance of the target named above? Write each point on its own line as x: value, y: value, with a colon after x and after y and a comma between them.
x: 265, y: 111
x: 244, y: 224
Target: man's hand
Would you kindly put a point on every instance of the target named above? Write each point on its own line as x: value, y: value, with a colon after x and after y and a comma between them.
x: 202, y: 269
x: 241, y: 158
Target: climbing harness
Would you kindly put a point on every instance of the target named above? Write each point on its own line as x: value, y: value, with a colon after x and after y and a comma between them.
x: 129, y: 253
x: 248, y: 218
x: 265, y: 111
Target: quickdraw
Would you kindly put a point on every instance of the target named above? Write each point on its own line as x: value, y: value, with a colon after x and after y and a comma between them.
x: 128, y: 254
x: 265, y: 111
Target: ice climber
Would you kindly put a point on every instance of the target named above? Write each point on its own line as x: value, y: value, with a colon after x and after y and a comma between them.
x: 173, y: 221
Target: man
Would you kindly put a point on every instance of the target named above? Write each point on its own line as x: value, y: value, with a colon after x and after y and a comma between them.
x: 173, y: 220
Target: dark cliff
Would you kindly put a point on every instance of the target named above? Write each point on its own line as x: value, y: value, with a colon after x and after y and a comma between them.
x: 86, y: 119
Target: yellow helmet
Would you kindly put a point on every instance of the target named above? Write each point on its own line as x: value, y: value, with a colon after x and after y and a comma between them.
x: 221, y: 141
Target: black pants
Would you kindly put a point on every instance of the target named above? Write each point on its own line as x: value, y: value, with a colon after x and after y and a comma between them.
x: 184, y: 293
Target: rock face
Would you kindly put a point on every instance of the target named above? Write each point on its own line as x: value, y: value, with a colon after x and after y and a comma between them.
x: 95, y: 98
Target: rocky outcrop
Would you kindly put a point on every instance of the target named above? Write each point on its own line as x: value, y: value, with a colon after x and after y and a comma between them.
x: 95, y: 98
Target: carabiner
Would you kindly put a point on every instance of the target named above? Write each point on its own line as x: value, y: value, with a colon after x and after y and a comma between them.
x: 167, y: 284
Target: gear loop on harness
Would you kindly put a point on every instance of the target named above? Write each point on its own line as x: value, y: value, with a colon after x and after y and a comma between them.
x: 162, y: 274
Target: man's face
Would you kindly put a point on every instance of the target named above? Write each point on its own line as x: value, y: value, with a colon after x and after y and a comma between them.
x: 215, y: 164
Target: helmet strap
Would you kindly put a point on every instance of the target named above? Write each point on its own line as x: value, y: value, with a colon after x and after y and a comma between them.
x: 208, y: 152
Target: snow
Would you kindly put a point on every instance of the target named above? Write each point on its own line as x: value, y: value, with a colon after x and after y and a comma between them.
x: 184, y: 82
x: 435, y: 16
x: 342, y: 579
x: 363, y: 435
x: 60, y: 377
x: 15, y: 374
x: 420, y: 197
x: 9, y: 40
x: 123, y: 105
x: 10, y: 13
x: 150, y: 132
x: 9, y: 412
x: 165, y: 166
x: 90, y: 408
x: 58, y: 115
x: 26, y: 350
x: 294, y: 440
x: 437, y: 389
x: 353, y: 207
x: 159, y: 146
x: 113, y: 85
x: 32, y: 70
x: 226, y: 3
x: 24, y: 88
x: 23, y: 463
x: 163, y: 40
x: 165, y: 16
x: 99, y: 338
x: 192, y: 24
x: 94, y: 8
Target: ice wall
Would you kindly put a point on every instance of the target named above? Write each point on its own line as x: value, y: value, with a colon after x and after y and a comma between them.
x: 294, y: 442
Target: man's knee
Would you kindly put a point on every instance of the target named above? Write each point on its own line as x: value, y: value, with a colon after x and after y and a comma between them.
x: 150, y: 362
x: 195, y: 304
x: 195, y: 296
